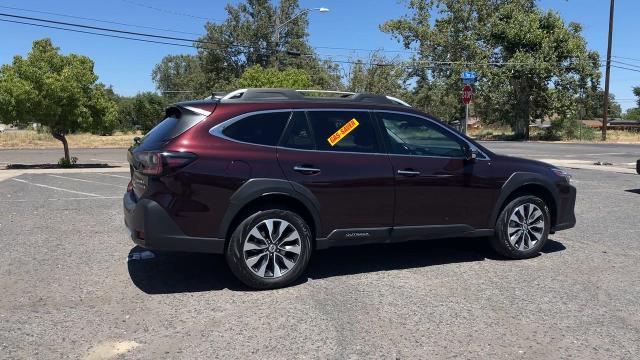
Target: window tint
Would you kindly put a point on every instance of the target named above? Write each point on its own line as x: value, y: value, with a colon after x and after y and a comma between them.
x: 361, y: 138
x: 299, y: 135
x: 263, y: 129
x: 168, y: 129
x: 411, y: 135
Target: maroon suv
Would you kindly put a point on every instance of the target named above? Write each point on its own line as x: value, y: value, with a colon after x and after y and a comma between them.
x: 265, y: 176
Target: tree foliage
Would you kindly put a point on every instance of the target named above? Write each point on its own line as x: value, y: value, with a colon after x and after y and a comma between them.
x: 594, y: 106
x: 180, y: 77
x: 246, y: 39
x: 142, y: 112
x: 530, y: 63
x: 57, y: 91
x: 378, y: 75
x: 259, y: 77
x: 634, y: 113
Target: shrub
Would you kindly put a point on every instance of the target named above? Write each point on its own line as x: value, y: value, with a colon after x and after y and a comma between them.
x: 64, y: 163
x: 568, y: 129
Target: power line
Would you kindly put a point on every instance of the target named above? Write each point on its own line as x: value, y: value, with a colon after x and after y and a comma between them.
x: 98, y: 20
x: 408, y: 64
x: 112, y: 30
x: 625, y: 58
x: 98, y: 34
x: 167, y: 11
x: 624, y: 63
x: 625, y: 68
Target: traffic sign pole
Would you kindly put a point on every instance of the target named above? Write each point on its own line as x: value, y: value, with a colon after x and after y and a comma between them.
x: 466, y: 99
x: 466, y: 119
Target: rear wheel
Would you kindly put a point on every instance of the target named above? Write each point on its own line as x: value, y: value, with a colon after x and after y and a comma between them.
x: 522, y: 228
x: 269, y: 249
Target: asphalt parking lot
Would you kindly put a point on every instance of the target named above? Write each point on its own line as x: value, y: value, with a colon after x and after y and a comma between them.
x: 73, y: 285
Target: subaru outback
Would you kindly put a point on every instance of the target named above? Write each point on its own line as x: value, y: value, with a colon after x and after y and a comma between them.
x: 267, y: 176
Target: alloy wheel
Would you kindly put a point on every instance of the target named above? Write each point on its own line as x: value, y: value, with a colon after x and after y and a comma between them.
x: 272, y: 248
x: 526, y: 226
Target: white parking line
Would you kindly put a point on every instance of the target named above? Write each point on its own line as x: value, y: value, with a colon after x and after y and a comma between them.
x: 118, y: 176
x: 83, y: 180
x: 60, y: 199
x: 57, y: 188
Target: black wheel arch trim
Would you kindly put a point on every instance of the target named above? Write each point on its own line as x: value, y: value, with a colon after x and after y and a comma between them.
x: 518, y: 180
x: 253, y: 189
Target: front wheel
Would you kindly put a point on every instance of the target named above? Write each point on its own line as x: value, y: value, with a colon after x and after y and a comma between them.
x: 522, y: 228
x: 269, y: 249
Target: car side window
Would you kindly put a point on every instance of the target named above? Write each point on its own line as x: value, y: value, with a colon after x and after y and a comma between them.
x: 262, y: 129
x: 411, y: 135
x: 298, y: 136
x: 348, y: 131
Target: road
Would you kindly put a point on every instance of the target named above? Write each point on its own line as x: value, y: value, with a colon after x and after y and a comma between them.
x: 571, y: 154
x: 73, y: 285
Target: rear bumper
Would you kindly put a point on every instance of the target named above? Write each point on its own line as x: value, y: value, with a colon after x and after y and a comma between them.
x: 146, y: 218
x: 566, y: 217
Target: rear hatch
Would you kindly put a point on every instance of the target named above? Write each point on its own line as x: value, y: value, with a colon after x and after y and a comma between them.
x: 148, y: 158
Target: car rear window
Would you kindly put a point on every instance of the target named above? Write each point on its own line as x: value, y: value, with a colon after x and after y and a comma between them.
x: 261, y: 129
x: 170, y: 128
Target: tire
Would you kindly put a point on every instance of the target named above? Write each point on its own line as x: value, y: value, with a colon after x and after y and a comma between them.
x: 264, y: 259
x: 518, y: 238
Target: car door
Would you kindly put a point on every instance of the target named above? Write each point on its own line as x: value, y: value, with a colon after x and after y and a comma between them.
x: 434, y: 184
x: 352, y: 179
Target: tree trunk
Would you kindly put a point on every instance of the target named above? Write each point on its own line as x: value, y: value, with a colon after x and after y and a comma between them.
x: 65, y: 144
x: 522, y: 111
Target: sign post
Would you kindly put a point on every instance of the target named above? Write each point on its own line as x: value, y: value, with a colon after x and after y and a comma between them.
x: 467, y: 93
x: 468, y: 78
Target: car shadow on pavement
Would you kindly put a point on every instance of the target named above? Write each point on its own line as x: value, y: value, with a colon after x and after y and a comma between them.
x: 635, y: 191
x: 415, y: 254
x: 177, y: 272
x: 169, y: 273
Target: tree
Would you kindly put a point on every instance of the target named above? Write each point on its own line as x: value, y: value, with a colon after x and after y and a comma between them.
x: 51, y: 89
x: 143, y: 111
x: 245, y: 39
x: 104, y: 111
x: 378, y: 75
x: 634, y: 113
x: 258, y: 77
x: 530, y: 63
x: 180, y: 77
x: 593, y: 106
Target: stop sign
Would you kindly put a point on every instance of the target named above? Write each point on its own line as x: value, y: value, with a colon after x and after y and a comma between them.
x: 466, y: 94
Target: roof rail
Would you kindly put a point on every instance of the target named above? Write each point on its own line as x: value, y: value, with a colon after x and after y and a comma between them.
x: 275, y: 94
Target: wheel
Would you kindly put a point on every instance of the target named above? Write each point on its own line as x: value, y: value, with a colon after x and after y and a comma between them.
x: 522, y: 228
x: 269, y: 249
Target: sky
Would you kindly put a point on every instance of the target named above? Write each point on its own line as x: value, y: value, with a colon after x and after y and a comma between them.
x: 127, y: 65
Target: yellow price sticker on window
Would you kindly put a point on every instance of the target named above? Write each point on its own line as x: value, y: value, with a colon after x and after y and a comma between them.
x: 343, y: 131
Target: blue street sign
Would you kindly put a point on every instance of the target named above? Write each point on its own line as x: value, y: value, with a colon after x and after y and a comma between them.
x: 468, y: 77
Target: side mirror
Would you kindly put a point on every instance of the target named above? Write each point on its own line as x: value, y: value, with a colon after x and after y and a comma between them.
x: 136, y: 140
x: 469, y: 153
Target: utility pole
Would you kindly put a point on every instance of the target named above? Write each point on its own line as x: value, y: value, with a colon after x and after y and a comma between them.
x: 608, y: 73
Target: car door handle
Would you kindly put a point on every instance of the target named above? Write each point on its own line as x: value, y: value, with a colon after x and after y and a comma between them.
x: 306, y: 169
x: 408, y: 172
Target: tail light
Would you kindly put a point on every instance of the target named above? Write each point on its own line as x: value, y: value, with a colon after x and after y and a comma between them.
x: 161, y: 163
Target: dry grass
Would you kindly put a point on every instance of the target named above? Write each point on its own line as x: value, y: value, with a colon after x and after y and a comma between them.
x: 491, y: 133
x: 28, y: 139
x: 505, y: 133
x: 623, y: 136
